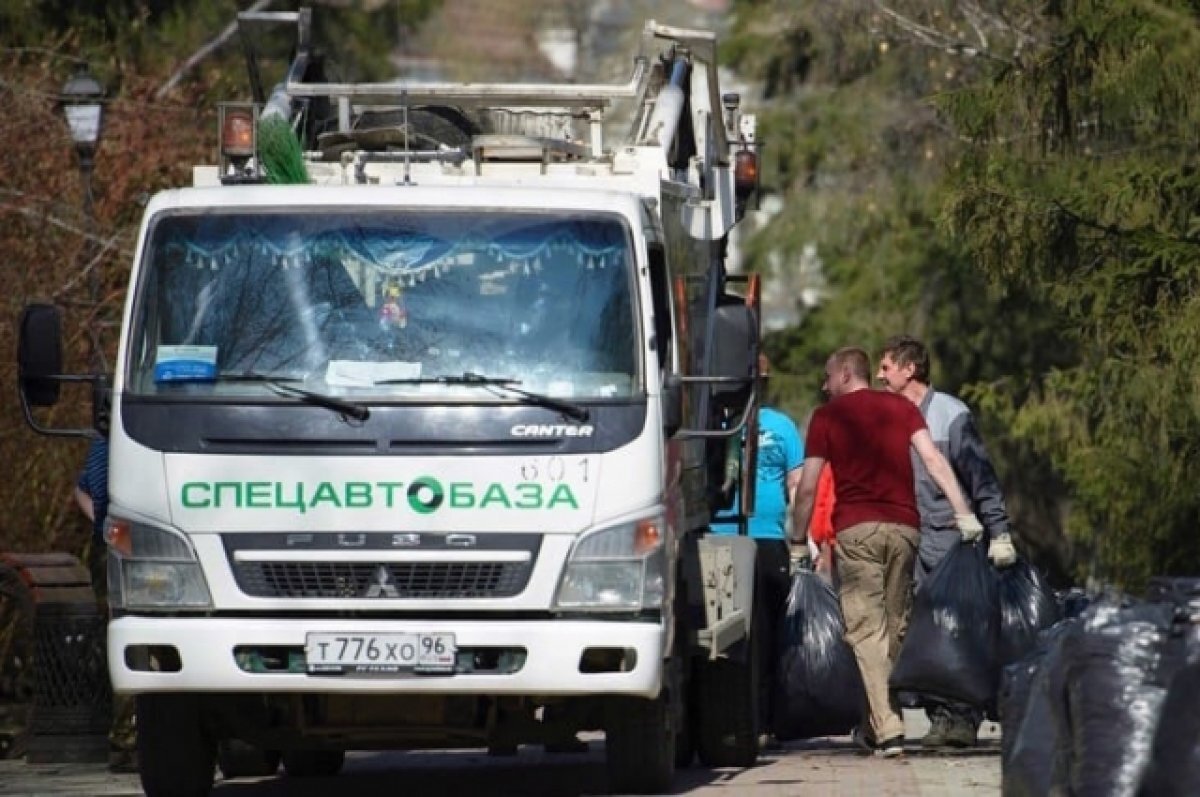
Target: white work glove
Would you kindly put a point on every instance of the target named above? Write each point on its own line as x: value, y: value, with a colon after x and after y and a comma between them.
x: 1001, y: 551
x: 969, y: 527
x: 801, y: 560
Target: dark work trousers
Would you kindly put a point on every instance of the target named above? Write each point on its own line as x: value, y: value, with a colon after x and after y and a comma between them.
x: 772, y: 563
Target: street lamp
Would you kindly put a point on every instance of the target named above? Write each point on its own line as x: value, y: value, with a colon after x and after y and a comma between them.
x: 82, y: 103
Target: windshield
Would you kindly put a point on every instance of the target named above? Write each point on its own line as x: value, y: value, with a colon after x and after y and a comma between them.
x: 378, y: 305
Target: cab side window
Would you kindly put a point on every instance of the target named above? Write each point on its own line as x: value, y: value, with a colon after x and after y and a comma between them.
x: 660, y: 289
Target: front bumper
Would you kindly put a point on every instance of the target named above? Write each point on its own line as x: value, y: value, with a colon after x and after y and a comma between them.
x: 552, y: 663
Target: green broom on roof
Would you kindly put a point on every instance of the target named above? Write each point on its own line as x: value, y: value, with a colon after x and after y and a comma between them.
x: 279, y: 151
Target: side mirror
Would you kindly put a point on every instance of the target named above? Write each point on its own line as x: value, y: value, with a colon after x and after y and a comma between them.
x: 672, y: 404
x: 735, y: 348
x: 39, y: 354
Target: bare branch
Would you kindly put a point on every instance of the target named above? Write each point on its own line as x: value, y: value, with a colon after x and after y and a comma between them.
x: 940, y: 40
x: 975, y: 18
x: 105, y: 246
x: 104, y: 242
x: 204, y: 52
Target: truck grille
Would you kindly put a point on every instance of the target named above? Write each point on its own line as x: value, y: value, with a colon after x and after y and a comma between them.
x: 381, y: 579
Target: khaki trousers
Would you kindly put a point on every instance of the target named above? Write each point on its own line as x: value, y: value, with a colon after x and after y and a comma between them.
x: 875, y: 577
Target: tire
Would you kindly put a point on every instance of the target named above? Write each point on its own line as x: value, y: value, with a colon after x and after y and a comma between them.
x: 313, y: 763
x: 446, y: 124
x: 238, y: 759
x: 639, y: 743
x: 726, y: 703
x: 685, y: 735
x: 176, y: 752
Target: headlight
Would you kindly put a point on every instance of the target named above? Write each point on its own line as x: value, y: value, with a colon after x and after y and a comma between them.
x: 622, y: 568
x: 152, y: 568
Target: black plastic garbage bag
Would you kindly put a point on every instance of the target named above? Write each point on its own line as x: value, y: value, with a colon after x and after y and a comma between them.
x: 1034, y: 748
x: 1117, y: 670
x: 1027, y: 605
x: 819, y: 689
x: 1174, y: 769
x: 950, y: 651
x: 1073, y: 602
x: 1016, y: 684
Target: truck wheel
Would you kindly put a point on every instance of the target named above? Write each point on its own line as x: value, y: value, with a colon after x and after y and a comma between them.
x: 726, y: 703
x: 727, y: 714
x: 238, y: 759
x: 313, y: 763
x: 176, y: 752
x: 685, y: 735
x: 639, y: 743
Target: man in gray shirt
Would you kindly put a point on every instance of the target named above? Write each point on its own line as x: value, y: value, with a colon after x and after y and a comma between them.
x: 904, y: 369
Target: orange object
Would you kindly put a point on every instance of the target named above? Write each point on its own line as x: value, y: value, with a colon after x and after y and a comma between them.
x: 821, y: 525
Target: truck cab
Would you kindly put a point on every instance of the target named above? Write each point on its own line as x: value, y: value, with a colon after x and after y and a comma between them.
x: 421, y: 451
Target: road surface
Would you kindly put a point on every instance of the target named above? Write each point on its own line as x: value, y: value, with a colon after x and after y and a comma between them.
x: 817, y: 768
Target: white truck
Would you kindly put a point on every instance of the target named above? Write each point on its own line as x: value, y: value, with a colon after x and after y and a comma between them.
x: 422, y: 452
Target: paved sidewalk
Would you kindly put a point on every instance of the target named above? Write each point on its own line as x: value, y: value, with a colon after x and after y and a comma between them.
x: 837, y: 768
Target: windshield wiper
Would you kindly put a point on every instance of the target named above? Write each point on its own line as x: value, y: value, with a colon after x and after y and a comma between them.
x: 571, y: 410
x: 254, y: 376
x: 277, y: 384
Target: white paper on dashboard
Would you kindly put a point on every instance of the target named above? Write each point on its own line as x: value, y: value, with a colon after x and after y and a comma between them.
x: 361, y: 373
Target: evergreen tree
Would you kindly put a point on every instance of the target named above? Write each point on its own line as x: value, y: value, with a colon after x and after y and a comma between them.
x: 1079, y: 185
x: 858, y: 151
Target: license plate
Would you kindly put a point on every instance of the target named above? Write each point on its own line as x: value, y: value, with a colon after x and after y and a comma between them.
x: 365, y: 654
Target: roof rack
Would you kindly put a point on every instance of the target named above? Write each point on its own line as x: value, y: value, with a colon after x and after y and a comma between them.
x: 332, y: 114
x: 558, y: 95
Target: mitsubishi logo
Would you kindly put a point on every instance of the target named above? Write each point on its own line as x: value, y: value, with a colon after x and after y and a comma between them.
x: 382, y: 586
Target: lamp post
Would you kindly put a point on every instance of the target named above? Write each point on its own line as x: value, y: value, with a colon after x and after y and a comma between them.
x: 82, y: 103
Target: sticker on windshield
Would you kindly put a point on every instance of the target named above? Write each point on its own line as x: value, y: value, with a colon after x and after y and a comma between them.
x: 185, y: 363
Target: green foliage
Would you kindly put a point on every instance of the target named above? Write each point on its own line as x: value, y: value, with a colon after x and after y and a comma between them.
x: 858, y: 150
x: 1080, y: 186
x: 149, y: 143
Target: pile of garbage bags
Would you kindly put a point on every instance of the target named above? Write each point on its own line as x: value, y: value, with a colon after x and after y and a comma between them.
x: 1107, y: 703
x: 1096, y: 694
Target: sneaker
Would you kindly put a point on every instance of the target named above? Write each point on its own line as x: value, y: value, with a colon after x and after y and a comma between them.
x: 938, y: 725
x: 861, y: 739
x: 960, y: 732
x: 890, y: 748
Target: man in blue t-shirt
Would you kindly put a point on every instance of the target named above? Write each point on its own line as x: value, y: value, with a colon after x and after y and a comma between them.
x: 780, y: 457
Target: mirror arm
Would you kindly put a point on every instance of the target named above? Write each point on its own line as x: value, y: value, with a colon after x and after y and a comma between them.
x: 50, y: 431
x: 721, y: 434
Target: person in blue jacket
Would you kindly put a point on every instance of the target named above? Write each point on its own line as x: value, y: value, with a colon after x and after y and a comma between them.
x: 780, y: 457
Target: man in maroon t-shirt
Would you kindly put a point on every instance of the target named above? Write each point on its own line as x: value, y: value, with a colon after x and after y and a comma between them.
x: 865, y: 436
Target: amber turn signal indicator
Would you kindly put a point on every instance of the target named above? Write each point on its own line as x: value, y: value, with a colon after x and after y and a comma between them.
x: 647, y: 536
x: 118, y: 534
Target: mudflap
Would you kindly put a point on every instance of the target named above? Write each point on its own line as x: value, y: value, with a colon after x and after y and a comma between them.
x: 729, y: 666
